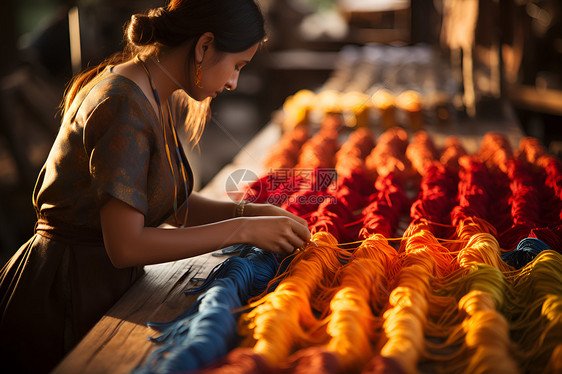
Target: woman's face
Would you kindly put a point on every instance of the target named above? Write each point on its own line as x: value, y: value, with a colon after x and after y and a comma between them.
x: 220, y: 71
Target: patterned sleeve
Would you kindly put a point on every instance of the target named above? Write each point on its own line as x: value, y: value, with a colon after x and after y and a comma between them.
x: 118, y: 139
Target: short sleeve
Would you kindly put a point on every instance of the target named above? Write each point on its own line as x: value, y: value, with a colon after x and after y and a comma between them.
x: 118, y: 138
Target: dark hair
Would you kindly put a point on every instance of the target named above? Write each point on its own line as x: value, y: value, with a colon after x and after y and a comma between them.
x: 236, y: 25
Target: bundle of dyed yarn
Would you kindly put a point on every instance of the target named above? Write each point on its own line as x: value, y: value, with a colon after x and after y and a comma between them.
x: 422, y: 259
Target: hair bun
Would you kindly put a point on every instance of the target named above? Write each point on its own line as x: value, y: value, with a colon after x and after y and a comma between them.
x: 157, y: 12
x: 141, y: 29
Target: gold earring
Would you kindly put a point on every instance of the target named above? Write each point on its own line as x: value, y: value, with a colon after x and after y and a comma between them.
x: 198, y: 75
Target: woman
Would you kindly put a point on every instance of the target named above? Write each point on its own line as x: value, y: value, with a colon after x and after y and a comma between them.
x: 116, y: 172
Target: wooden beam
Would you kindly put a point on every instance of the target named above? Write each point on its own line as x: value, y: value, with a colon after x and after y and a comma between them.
x: 539, y: 100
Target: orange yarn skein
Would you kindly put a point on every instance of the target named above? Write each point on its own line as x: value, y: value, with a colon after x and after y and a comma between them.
x: 487, y: 335
x: 362, y: 288
x: 535, y: 310
x: 405, y: 322
x: 482, y: 248
x: 282, y: 319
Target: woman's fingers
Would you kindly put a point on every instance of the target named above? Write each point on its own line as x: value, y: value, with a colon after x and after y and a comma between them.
x: 300, y: 220
x: 297, y: 235
x: 281, y: 234
x: 292, y: 235
x: 303, y: 221
x: 296, y: 241
x: 301, y: 230
x: 286, y: 247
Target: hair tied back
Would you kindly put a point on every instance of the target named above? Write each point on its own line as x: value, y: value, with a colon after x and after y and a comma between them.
x: 142, y: 29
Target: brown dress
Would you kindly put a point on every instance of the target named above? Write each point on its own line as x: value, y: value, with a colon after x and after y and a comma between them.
x: 61, y: 282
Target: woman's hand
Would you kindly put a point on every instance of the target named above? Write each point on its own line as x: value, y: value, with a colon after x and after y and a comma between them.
x: 275, y: 229
x: 277, y: 233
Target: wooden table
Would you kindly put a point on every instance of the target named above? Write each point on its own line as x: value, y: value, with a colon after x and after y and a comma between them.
x: 119, y: 341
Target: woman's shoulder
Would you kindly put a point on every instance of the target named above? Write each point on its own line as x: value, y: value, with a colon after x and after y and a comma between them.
x: 112, y: 101
x: 110, y: 96
x: 117, y: 88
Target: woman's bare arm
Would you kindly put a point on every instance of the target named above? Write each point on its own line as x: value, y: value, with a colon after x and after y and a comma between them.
x: 203, y: 210
x: 129, y: 243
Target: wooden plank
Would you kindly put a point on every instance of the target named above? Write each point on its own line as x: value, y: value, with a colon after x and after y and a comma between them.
x: 119, y: 341
x: 540, y: 100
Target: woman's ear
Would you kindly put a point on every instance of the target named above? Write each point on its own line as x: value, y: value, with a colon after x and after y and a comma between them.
x: 204, y: 42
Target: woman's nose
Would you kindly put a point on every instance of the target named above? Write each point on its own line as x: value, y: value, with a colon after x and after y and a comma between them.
x: 232, y: 82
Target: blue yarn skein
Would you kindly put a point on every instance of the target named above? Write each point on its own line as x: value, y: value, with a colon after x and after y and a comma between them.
x: 202, y: 338
x: 209, y: 330
x: 527, y: 249
x: 262, y: 264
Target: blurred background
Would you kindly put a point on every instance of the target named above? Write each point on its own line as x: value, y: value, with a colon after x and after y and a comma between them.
x: 470, y: 56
